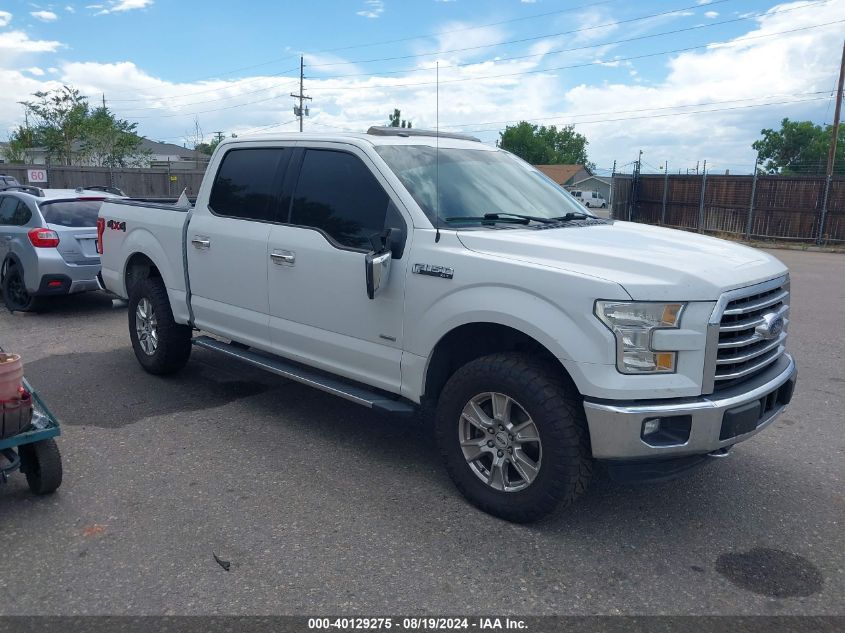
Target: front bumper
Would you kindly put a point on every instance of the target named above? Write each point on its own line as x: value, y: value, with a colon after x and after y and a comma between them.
x: 695, y: 426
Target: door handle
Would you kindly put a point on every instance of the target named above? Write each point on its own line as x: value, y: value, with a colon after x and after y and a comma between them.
x: 201, y: 242
x: 285, y: 257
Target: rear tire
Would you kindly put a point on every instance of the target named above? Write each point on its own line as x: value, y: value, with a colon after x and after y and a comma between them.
x: 539, y: 436
x: 41, y: 462
x: 161, y: 345
x: 15, y: 294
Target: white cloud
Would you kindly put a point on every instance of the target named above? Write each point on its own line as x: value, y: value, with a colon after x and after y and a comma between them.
x: 711, y: 14
x: 18, y: 43
x: 5, y: 18
x: 373, y: 9
x: 120, y: 6
x: 70, y: 9
x: 44, y: 16
x: 35, y: 70
x: 779, y: 67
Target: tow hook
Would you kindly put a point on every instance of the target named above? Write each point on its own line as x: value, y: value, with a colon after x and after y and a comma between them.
x: 722, y: 452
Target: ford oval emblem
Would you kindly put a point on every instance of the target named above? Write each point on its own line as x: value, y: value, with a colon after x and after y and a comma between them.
x: 771, y: 327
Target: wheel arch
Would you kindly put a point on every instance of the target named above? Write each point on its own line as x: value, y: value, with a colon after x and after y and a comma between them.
x: 470, y: 341
x: 139, y: 266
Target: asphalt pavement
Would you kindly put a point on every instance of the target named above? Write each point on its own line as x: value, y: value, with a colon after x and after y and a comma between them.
x: 320, y: 506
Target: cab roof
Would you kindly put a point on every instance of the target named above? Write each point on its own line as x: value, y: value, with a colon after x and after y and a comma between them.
x: 376, y: 136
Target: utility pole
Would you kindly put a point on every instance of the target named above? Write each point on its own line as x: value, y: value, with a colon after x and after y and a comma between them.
x: 301, y: 111
x: 218, y: 136
x: 612, y: 189
x: 701, y: 200
x: 665, y: 191
x: 831, y: 155
x: 104, y: 101
x: 835, y: 132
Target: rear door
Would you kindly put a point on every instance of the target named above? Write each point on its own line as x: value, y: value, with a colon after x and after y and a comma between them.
x: 227, y: 244
x: 15, y: 214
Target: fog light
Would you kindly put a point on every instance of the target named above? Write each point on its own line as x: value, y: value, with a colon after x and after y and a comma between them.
x: 651, y: 426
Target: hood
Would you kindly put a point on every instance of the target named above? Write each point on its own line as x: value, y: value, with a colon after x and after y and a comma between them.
x: 650, y: 262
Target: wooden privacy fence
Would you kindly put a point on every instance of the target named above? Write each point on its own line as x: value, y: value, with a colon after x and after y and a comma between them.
x: 138, y: 183
x: 801, y: 208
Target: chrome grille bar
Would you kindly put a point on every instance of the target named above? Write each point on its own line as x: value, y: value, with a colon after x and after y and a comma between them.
x: 739, y: 343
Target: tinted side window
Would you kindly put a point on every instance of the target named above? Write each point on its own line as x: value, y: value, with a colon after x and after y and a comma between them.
x: 22, y: 214
x: 8, y: 206
x: 337, y: 193
x: 248, y: 184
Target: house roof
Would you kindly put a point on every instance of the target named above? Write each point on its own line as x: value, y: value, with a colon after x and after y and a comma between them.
x: 603, y: 179
x: 169, y: 149
x: 561, y: 173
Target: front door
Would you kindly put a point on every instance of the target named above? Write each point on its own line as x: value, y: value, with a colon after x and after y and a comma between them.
x: 319, y: 310
x: 227, y: 245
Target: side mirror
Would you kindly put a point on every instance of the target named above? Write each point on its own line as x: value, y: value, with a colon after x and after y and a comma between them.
x: 377, y: 264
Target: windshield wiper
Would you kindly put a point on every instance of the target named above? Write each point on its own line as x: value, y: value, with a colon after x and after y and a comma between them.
x: 490, y: 218
x: 572, y: 215
x: 509, y: 218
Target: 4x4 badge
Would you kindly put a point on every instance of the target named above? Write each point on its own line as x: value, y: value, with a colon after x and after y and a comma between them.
x: 434, y: 271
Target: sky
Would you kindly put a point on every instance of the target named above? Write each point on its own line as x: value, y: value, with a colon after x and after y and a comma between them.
x: 682, y: 80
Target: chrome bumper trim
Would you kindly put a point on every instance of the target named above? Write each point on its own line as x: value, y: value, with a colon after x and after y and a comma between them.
x: 615, y: 427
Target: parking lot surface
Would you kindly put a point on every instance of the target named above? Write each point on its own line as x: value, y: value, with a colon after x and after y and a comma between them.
x: 321, y: 506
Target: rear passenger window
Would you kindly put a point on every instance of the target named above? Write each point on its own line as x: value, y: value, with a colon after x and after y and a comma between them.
x: 14, y: 212
x: 338, y: 194
x: 248, y: 184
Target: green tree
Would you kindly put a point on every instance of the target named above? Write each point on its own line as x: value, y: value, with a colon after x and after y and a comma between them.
x: 21, y: 141
x: 545, y: 145
x: 60, y: 117
x: 799, y: 147
x: 110, y: 142
x: 70, y: 130
x: 396, y: 119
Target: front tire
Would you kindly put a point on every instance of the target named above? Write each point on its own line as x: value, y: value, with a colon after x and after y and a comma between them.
x: 15, y: 294
x: 513, y: 436
x: 161, y: 345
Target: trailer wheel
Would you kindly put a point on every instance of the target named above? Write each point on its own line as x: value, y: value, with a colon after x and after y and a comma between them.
x: 41, y: 462
x: 161, y: 345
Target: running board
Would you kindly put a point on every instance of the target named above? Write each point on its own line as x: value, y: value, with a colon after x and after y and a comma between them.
x: 330, y: 384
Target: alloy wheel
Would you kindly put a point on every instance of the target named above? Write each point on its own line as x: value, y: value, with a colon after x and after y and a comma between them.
x: 500, y: 442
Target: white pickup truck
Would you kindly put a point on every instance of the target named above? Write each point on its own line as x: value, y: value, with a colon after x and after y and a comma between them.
x: 401, y: 269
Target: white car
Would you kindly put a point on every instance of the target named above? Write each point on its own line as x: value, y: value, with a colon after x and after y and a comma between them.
x: 397, y: 270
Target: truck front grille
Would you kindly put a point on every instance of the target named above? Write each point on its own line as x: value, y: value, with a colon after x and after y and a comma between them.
x: 751, y: 332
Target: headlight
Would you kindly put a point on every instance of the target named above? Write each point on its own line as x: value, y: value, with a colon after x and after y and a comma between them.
x: 633, y: 325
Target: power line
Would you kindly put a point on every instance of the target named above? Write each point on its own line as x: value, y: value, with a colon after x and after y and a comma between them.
x: 394, y: 41
x: 582, y: 65
x: 520, y: 40
x: 670, y: 114
x: 185, y: 105
x: 496, y: 60
x: 576, y: 48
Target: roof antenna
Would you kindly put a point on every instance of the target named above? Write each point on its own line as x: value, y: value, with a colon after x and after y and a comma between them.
x: 437, y: 159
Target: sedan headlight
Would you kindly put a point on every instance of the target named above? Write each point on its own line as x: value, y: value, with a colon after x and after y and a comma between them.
x: 633, y: 325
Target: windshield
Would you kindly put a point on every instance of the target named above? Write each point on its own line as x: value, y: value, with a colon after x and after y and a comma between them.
x: 474, y: 183
x: 71, y: 213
